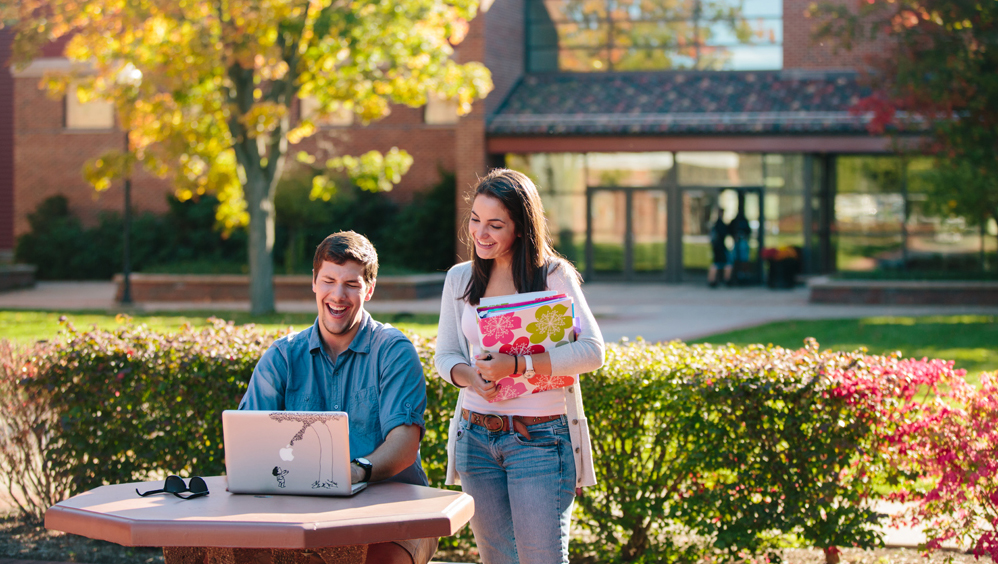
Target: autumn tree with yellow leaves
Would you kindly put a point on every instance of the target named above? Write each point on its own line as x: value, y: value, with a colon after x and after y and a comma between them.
x: 205, y: 90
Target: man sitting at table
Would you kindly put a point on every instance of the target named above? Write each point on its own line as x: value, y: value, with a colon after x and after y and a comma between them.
x: 349, y: 362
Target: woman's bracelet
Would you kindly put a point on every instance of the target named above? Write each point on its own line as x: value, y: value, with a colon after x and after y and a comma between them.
x: 516, y: 365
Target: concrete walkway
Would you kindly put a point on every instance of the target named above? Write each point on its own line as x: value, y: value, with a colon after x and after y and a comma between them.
x: 656, y: 312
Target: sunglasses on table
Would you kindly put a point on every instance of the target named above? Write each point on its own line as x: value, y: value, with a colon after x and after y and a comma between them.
x: 175, y: 485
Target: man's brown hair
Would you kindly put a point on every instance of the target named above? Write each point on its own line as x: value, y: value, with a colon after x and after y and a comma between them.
x: 343, y: 246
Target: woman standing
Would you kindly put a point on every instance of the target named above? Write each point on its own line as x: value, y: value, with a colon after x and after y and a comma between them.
x: 521, y: 459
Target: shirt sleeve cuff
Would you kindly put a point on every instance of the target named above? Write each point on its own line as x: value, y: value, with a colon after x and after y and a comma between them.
x: 410, y: 417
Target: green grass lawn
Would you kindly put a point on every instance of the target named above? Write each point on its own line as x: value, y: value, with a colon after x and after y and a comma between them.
x: 30, y: 326
x: 969, y: 340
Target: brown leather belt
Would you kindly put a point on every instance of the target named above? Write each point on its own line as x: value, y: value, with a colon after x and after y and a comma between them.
x: 494, y: 422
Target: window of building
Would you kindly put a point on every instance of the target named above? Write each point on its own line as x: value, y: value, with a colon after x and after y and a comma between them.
x: 439, y: 111
x: 95, y: 114
x: 887, y: 220
x: 635, y: 35
x: 309, y: 109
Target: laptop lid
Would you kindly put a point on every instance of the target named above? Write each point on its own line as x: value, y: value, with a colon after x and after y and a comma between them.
x: 288, y: 452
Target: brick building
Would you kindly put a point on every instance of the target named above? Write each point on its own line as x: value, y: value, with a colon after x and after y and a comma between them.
x: 636, y: 120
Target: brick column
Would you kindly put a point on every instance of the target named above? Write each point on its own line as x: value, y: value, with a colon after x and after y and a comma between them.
x: 6, y: 150
x: 469, y: 142
x: 471, y: 165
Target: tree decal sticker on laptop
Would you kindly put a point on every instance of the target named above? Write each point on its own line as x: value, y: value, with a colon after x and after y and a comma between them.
x: 315, y: 422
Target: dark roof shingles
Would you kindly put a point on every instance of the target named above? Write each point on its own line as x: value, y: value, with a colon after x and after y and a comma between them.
x: 682, y: 102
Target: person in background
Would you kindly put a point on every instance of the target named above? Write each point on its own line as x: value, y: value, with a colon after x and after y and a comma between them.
x: 719, y: 249
x: 741, y: 232
x: 521, y: 459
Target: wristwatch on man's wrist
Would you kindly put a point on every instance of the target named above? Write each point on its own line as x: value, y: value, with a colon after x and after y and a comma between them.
x: 365, y: 465
x: 529, y: 372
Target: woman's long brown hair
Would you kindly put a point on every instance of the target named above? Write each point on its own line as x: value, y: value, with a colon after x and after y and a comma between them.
x: 533, y: 256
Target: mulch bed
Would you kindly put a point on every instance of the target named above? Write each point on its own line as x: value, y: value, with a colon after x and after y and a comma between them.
x: 34, y: 542
x: 20, y: 541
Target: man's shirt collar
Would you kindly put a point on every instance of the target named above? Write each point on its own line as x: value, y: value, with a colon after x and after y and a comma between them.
x: 361, y: 341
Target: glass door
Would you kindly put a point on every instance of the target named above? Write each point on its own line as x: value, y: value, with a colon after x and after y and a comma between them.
x: 626, y: 233
x: 742, y: 212
x: 650, y: 224
x: 606, y: 234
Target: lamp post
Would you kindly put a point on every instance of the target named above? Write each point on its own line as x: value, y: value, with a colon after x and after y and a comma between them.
x: 131, y: 77
x: 126, y: 269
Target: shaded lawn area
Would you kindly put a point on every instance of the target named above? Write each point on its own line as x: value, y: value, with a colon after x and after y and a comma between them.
x: 969, y: 340
x: 31, y: 326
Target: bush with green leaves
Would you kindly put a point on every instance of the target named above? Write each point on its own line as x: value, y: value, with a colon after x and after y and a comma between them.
x: 100, y: 407
x: 422, y: 236
x: 417, y: 236
x: 700, y: 451
x: 133, y: 403
x: 32, y: 477
x: 302, y: 223
x: 735, y: 451
x: 63, y: 249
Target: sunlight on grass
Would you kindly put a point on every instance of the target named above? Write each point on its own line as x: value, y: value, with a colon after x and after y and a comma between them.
x: 30, y: 326
x: 969, y: 340
x: 937, y: 319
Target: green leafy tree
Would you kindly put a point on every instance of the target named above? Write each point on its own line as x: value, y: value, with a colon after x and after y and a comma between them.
x: 935, y: 70
x: 206, y: 90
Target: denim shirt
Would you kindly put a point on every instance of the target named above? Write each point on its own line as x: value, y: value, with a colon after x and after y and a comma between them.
x: 378, y: 381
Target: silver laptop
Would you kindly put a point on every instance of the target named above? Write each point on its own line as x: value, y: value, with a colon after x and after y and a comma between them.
x: 288, y: 452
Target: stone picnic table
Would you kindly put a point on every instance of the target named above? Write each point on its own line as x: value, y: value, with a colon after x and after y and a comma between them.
x: 233, y: 529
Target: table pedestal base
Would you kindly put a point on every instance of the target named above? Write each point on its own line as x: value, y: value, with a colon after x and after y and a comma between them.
x: 355, y: 554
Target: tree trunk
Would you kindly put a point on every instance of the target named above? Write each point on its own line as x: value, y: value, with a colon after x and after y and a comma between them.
x: 994, y: 216
x: 260, y: 201
x: 259, y: 183
x: 636, y: 545
x: 983, y: 259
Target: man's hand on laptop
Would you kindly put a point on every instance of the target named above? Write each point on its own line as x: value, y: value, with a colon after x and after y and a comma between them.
x: 362, y: 465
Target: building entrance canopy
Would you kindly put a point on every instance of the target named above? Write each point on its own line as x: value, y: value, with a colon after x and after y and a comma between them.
x: 757, y: 111
x: 683, y: 103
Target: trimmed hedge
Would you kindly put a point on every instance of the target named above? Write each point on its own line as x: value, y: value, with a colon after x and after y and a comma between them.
x: 742, y: 450
x: 133, y: 402
x: 699, y: 450
x: 27, y: 431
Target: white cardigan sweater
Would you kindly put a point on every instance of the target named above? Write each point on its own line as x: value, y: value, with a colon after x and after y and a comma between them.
x: 583, y: 355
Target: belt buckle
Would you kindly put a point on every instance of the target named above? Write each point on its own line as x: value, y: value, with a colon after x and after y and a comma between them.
x: 489, y: 417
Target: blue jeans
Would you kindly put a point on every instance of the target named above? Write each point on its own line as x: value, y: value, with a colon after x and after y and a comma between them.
x: 741, y: 250
x: 523, y: 491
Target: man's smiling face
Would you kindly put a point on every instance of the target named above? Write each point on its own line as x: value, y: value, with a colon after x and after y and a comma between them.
x: 340, y: 293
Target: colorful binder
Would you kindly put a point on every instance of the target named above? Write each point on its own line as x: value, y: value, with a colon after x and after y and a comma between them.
x: 525, y: 324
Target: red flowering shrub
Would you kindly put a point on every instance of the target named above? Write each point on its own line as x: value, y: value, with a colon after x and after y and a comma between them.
x: 779, y: 253
x: 956, y: 444
x: 744, y: 446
